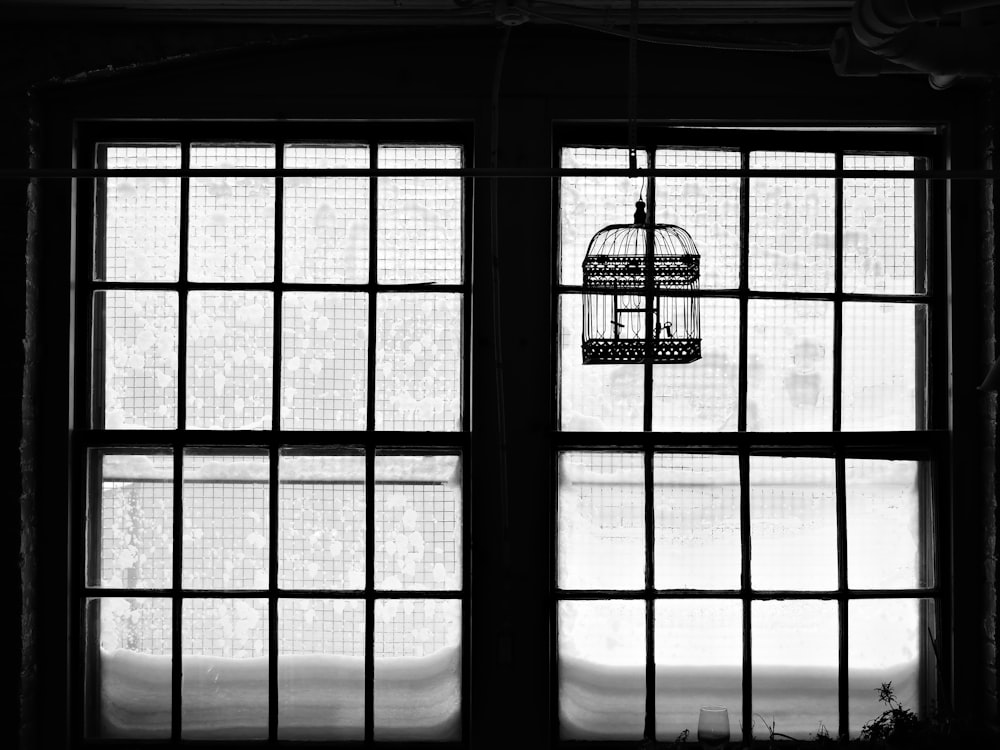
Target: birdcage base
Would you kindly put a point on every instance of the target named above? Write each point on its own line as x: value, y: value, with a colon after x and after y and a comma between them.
x: 619, y: 351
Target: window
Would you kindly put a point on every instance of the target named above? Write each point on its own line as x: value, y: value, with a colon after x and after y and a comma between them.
x: 275, y: 436
x: 754, y: 529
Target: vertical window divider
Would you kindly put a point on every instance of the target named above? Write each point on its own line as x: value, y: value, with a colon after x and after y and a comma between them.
x: 370, y: 451
x: 843, y: 602
x: 650, y: 295
x: 746, y: 593
x: 649, y: 733
x: 838, y: 292
x: 741, y: 409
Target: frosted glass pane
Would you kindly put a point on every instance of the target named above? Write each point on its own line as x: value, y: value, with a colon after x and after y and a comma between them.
x: 231, y: 235
x: 418, y: 522
x: 324, y: 361
x: 134, y: 513
x: 707, y: 207
x: 229, y: 360
x: 141, y: 222
x: 886, y: 638
x: 224, y: 693
x: 321, y: 669
x: 418, y: 668
x: 795, y: 667
x: 791, y: 224
x: 880, y: 378
x: 793, y: 523
x: 321, y: 516
x: 789, y: 365
x: 601, y: 521
x: 420, y: 218
x: 418, y: 362
x: 699, y: 662
x: 326, y: 218
x: 588, y: 204
x: 696, y: 507
x: 594, y: 397
x: 702, y: 396
x: 135, y: 345
x: 226, y: 524
x: 602, y: 670
x: 132, y: 695
x: 880, y: 229
x: 884, y: 525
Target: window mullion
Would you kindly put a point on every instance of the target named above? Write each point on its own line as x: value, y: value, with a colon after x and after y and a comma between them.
x: 649, y: 733
x: 744, y: 228
x: 842, y: 599
x: 746, y: 592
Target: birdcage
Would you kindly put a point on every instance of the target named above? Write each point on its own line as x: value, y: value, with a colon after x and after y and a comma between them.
x: 639, y: 303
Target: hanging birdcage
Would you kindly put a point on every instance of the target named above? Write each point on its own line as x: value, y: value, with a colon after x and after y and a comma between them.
x: 639, y: 303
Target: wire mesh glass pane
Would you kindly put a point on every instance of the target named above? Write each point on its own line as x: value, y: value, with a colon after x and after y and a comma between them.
x: 601, y: 521
x: 225, y: 521
x: 707, y: 207
x: 418, y: 668
x: 224, y: 683
x: 699, y: 662
x: 420, y: 218
x: 418, y: 522
x: 794, y: 657
x: 602, y: 669
x: 140, y: 227
x: 418, y: 362
x: 793, y: 523
x: 324, y: 361
x: 886, y: 525
x: 130, y: 696
x: 229, y: 360
x: 321, y: 516
x: 135, y: 353
x: 595, y: 398
x: 789, y: 365
x: 883, y: 366
x: 888, y: 642
x: 696, y: 511
x: 791, y: 224
x: 587, y: 204
x: 702, y: 396
x: 321, y: 669
x: 326, y: 218
x: 130, y: 513
x: 880, y: 253
x: 231, y: 235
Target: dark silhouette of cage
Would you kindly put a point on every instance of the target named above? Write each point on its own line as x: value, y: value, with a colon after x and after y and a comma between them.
x: 640, y: 302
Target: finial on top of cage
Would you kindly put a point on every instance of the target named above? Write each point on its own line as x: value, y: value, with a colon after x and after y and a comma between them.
x: 640, y: 300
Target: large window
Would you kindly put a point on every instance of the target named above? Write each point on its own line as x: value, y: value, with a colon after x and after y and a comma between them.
x: 753, y: 528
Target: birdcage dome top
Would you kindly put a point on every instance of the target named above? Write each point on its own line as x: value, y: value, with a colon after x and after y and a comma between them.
x: 629, y: 240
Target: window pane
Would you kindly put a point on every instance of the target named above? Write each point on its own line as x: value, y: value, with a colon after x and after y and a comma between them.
x: 131, y: 694
x: 420, y: 218
x: 794, y: 667
x: 321, y: 520
x: 139, y: 234
x: 602, y: 670
x: 224, y: 693
x: 793, y: 523
x: 130, y: 517
x: 601, y: 539
x: 324, y: 361
x: 882, y: 385
x: 880, y: 229
x: 418, y: 362
x: 225, y: 521
x: 707, y: 207
x: 321, y: 669
x: 418, y: 522
x: 791, y: 224
x: 699, y: 662
x: 135, y: 353
x: 696, y: 505
x: 231, y: 237
x: 326, y: 218
x: 229, y: 362
x: 418, y: 667
x: 789, y: 365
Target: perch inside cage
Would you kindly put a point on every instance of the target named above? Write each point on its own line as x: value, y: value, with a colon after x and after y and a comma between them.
x: 639, y: 301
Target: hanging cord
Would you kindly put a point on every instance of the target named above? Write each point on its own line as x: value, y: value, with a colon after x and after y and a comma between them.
x: 633, y: 86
